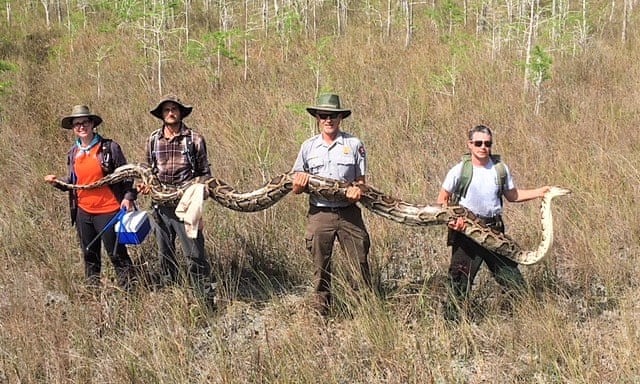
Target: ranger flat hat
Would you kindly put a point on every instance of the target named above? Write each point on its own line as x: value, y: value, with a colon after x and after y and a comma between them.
x: 328, y: 102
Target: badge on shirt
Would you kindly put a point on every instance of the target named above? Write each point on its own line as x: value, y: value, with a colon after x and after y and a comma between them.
x: 362, y: 151
x: 346, y: 150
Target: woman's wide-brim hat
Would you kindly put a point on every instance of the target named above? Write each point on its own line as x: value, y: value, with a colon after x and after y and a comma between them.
x: 185, y: 109
x: 328, y: 102
x: 80, y: 111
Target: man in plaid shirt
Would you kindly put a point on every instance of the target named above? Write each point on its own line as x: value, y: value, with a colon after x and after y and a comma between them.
x: 177, y: 155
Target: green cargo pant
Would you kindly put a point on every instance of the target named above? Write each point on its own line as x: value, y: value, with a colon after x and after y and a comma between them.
x: 325, y: 225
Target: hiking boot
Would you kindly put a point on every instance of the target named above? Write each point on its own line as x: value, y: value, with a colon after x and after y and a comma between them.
x: 209, y: 296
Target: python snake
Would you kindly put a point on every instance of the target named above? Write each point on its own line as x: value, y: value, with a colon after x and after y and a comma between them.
x: 333, y: 190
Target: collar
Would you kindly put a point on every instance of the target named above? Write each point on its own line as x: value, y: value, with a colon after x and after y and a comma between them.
x: 96, y: 139
x: 319, y: 141
x: 184, y: 130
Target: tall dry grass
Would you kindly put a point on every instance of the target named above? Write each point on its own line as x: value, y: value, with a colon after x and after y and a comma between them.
x: 411, y: 106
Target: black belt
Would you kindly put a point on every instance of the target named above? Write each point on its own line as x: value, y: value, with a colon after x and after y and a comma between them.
x: 497, y: 219
x: 315, y: 208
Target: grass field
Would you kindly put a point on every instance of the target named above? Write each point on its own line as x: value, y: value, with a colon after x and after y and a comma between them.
x: 556, y: 81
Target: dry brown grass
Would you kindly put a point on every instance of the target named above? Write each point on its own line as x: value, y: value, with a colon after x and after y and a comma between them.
x: 579, y: 325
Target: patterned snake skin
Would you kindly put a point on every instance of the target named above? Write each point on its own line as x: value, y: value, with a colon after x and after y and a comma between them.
x: 372, y: 199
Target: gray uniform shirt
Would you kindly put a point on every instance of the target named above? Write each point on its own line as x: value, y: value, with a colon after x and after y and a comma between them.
x: 344, y: 160
x: 482, y: 195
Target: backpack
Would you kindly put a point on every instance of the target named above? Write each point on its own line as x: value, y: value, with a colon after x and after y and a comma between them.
x: 189, y: 150
x: 467, y: 173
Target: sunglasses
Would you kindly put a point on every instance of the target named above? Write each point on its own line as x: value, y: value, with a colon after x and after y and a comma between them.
x: 327, y: 116
x: 478, y: 143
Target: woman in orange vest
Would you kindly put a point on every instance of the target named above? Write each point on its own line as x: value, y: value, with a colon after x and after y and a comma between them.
x: 89, y: 159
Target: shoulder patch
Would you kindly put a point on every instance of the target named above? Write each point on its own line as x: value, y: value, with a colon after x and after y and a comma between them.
x: 362, y: 151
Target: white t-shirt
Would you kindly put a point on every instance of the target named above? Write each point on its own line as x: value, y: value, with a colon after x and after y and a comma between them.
x: 482, y: 195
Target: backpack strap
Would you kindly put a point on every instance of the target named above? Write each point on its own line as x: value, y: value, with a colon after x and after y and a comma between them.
x: 466, y: 174
x: 153, y: 144
x: 501, y: 177
x: 72, y: 193
x: 189, y: 150
x: 106, y: 158
x: 71, y: 155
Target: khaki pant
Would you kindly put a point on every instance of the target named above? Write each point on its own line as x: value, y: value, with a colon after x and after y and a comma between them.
x: 325, y: 225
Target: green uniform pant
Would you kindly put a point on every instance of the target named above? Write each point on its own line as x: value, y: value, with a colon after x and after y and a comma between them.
x: 325, y: 225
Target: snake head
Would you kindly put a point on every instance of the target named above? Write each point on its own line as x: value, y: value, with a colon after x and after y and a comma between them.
x: 557, y: 191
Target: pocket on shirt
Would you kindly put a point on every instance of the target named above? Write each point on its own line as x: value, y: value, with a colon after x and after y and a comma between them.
x: 347, y: 166
x: 315, y: 164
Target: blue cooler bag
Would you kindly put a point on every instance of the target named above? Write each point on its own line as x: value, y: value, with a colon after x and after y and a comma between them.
x: 133, y: 227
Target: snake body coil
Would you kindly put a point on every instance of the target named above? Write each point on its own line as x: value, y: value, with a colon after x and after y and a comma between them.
x: 333, y: 190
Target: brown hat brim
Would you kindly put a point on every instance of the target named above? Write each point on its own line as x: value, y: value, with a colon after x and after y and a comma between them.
x: 67, y: 121
x: 185, y: 110
x: 313, y: 111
